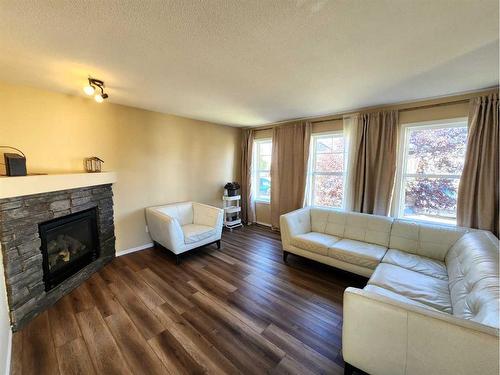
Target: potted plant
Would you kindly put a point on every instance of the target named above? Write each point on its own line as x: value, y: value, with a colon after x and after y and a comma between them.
x: 232, y: 188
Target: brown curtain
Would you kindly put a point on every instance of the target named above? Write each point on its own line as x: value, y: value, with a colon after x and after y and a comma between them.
x: 289, y: 168
x: 374, y: 167
x: 477, y: 205
x: 247, y: 205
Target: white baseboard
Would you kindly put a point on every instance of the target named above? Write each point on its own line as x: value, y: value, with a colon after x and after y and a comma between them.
x: 264, y: 224
x: 134, y: 249
x: 9, y: 353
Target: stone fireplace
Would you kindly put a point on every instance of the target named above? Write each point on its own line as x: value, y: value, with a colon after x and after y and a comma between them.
x: 51, y: 242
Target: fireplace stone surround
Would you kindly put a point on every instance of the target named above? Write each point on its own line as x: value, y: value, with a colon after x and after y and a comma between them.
x: 20, y: 244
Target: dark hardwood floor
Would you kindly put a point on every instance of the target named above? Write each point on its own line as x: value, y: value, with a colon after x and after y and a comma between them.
x: 238, y: 310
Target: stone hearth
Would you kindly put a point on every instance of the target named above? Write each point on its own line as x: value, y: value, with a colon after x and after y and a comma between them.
x: 20, y: 243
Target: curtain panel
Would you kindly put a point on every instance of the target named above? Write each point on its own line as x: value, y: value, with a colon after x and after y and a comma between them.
x: 289, y: 160
x: 374, y: 161
x: 478, y: 195
x: 247, y: 203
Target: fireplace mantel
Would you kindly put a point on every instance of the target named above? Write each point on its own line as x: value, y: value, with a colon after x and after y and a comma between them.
x: 35, y: 184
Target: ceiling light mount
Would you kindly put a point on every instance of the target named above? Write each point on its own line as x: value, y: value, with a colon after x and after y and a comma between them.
x: 90, y: 89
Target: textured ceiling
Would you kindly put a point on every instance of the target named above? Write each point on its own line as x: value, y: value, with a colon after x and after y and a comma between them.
x: 256, y: 61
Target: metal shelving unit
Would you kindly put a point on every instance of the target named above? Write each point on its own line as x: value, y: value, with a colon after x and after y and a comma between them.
x: 231, y: 206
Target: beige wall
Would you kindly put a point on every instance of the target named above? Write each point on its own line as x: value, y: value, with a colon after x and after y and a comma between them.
x: 158, y: 158
x: 447, y: 111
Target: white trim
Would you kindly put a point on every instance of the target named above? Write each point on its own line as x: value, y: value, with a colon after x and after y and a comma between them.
x: 398, y: 198
x: 311, y: 173
x: 134, y: 249
x: 35, y: 184
x: 255, y: 168
x: 9, y: 352
x: 261, y: 201
x: 264, y: 224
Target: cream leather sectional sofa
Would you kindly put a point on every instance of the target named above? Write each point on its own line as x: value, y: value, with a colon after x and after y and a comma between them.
x: 431, y: 304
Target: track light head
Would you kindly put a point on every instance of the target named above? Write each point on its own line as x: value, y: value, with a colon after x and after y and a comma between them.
x: 89, y: 90
x: 94, y: 84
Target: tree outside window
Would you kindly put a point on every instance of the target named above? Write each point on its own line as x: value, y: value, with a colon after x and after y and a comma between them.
x: 432, y: 161
x: 326, y: 171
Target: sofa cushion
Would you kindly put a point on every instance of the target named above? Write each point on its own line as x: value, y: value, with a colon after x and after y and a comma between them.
x: 427, y: 266
x: 356, y: 252
x: 336, y: 222
x: 197, y: 232
x: 319, y: 218
x: 368, y: 228
x: 395, y: 296
x: 314, y: 241
x: 413, y: 285
x: 429, y: 240
x: 473, y: 272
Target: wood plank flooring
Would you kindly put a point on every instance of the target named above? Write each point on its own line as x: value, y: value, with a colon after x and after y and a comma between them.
x: 238, y: 310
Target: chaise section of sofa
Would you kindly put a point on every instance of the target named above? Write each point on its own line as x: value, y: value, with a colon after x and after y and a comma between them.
x: 431, y: 304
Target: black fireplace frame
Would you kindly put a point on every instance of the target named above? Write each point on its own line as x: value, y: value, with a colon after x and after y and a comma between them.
x: 52, y: 279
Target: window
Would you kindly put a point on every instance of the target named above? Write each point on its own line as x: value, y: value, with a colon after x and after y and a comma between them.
x: 326, y: 171
x: 431, y: 162
x: 262, y: 169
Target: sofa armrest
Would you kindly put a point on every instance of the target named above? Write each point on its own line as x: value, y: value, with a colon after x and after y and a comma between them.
x: 165, y: 230
x: 207, y: 215
x: 294, y: 223
x: 384, y: 336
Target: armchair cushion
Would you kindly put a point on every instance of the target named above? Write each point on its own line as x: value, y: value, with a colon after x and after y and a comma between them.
x: 196, y: 232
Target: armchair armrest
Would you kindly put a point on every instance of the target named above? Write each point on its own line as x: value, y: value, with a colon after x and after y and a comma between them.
x: 384, y: 336
x: 207, y: 215
x: 165, y: 230
x: 294, y: 223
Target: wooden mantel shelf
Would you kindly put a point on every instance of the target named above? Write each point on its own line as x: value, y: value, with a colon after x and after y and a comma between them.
x: 34, y: 184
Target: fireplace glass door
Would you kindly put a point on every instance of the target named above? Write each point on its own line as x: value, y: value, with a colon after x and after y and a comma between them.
x: 69, y: 243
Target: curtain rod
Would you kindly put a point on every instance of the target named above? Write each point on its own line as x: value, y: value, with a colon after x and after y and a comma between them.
x: 399, y: 107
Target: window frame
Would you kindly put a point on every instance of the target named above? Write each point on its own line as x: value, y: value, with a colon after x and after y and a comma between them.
x: 256, y: 171
x: 312, y: 163
x: 402, y: 162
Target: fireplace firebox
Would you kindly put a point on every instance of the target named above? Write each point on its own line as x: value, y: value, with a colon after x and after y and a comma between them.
x: 68, y: 244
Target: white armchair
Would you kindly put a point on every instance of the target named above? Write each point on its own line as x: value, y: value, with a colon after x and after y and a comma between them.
x: 180, y: 227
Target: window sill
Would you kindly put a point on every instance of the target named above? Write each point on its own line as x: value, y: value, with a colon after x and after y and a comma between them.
x: 262, y: 202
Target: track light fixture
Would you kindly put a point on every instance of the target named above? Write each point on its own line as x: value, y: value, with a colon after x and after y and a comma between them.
x: 93, y: 86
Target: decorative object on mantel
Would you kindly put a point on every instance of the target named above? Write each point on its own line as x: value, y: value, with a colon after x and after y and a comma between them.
x: 15, y: 164
x: 91, y: 88
x: 93, y: 164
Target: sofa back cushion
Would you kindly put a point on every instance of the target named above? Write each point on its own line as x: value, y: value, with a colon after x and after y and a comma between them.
x: 352, y: 225
x: 182, y: 211
x: 429, y: 240
x: 473, y: 276
x: 319, y: 219
x: 368, y: 228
